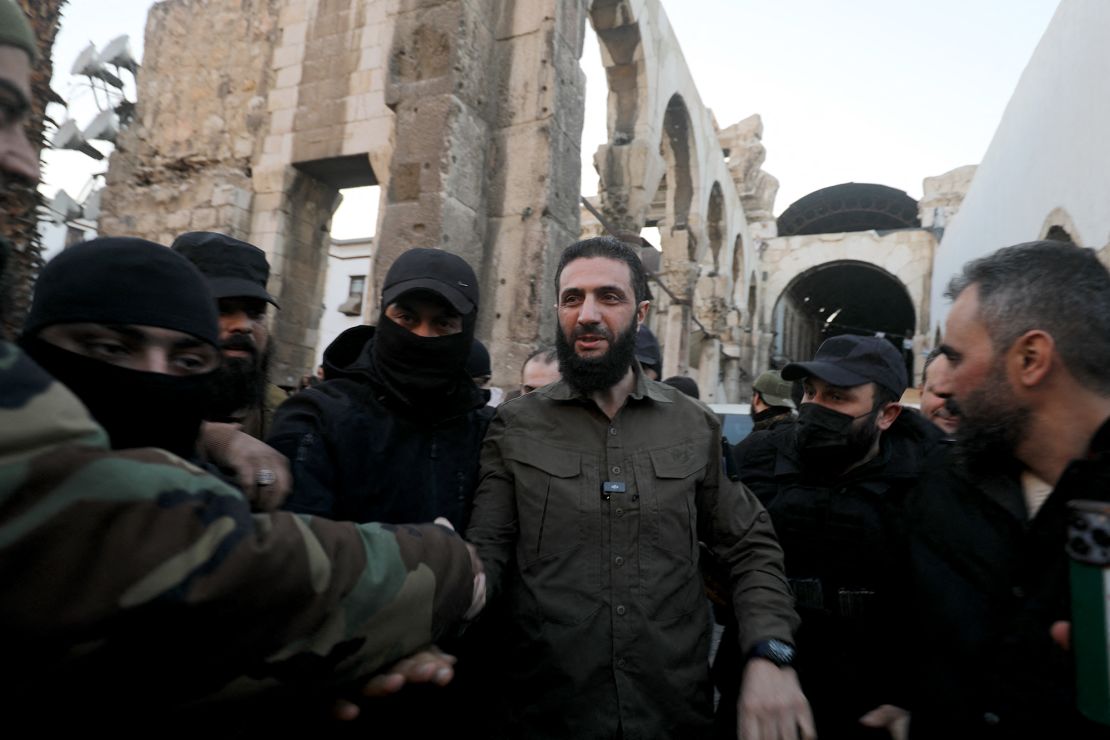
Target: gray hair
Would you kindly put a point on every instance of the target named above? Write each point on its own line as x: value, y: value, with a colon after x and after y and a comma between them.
x: 1058, y: 288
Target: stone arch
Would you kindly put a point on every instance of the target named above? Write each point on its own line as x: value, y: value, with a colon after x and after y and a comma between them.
x: 676, y: 189
x: 715, y: 225
x: 842, y: 297
x: 1059, y: 226
x: 663, y: 165
x: 619, y: 37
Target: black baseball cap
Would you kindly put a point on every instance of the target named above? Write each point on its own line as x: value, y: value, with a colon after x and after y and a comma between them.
x: 234, y: 269
x: 443, y: 273
x: 847, y: 360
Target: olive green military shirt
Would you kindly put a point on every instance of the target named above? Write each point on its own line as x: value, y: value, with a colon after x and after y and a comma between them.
x: 589, y: 529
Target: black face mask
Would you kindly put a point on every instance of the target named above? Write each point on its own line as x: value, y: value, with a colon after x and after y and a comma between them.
x: 425, y: 372
x: 828, y: 442
x: 136, y: 408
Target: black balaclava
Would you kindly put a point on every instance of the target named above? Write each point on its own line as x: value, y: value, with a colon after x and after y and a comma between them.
x: 120, y: 281
x: 428, y: 374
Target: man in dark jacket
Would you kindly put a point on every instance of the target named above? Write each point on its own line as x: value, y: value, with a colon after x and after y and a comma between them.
x: 237, y: 273
x: 771, y: 401
x: 393, y: 434
x: 833, y: 483
x: 1028, y: 340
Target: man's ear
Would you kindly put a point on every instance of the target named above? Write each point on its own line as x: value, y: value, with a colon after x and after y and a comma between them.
x: 887, y: 415
x: 642, y: 312
x: 1030, y: 357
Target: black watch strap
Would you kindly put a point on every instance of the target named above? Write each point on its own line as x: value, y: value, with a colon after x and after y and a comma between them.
x: 778, y: 652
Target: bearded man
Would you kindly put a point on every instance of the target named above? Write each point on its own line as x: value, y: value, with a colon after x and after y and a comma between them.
x: 595, y: 491
x: 237, y: 273
x: 1028, y: 343
x: 834, y: 483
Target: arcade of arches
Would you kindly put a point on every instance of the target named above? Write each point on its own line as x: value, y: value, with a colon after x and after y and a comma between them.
x: 468, y: 113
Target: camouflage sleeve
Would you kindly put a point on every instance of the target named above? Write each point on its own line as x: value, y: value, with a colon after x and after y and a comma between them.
x: 113, y: 548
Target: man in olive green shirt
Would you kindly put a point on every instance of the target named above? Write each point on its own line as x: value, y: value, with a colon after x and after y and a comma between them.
x: 595, y: 493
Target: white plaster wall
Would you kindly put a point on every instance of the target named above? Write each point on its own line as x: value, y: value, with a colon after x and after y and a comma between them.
x: 1051, y: 150
x: 345, y: 259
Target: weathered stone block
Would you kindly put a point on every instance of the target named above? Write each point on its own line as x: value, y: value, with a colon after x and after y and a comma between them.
x: 203, y: 219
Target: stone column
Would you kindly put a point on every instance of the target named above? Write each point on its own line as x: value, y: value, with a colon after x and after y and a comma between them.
x: 488, y: 98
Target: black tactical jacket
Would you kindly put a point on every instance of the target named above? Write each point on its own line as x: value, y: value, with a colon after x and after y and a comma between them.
x: 358, y: 454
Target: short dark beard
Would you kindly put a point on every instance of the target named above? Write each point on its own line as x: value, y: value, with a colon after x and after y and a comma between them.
x: 240, y: 383
x: 593, y: 374
x: 992, y: 425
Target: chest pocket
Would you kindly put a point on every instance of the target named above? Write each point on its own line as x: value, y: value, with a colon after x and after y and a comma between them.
x: 672, y: 586
x: 550, y: 489
x: 672, y: 517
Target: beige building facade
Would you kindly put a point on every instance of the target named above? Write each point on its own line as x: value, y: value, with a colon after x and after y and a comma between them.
x: 468, y: 114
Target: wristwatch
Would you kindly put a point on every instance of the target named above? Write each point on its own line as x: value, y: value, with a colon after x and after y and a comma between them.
x: 778, y: 652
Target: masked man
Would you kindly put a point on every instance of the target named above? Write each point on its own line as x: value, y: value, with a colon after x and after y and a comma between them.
x: 393, y: 434
x: 833, y: 483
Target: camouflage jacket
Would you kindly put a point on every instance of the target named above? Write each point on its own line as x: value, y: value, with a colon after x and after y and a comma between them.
x: 135, y: 576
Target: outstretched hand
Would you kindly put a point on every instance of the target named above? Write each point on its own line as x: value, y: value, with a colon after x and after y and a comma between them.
x: 261, y: 472
x: 429, y: 666
x: 771, y: 705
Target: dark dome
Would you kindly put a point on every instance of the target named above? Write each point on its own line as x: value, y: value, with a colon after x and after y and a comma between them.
x: 853, y: 206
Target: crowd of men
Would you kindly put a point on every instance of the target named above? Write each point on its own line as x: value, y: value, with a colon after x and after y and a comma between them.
x: 389, y: 551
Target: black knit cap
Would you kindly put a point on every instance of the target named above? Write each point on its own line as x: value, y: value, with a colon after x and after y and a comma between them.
x: 443, y: 273
x: 120, y: 280
x: 847, y: 361
x: 234, y: 268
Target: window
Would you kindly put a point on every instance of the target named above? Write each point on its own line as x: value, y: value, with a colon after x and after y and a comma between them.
x: 353, y: 305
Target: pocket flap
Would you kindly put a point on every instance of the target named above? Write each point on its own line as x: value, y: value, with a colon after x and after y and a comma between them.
x: 676, y: 462
x: 551, y: 460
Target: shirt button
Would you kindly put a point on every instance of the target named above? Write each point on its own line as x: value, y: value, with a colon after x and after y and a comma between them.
x: 620, y: 663
x: 613, y: 431
x: 619, y: 561
x: 620, y: 512
x: 616, y: 470
x: 621, y: 610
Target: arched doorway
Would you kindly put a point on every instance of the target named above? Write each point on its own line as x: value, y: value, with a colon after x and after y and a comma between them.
x: 842, y: 297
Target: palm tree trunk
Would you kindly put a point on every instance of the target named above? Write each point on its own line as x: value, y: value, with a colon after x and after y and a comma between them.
x: 19, y: 204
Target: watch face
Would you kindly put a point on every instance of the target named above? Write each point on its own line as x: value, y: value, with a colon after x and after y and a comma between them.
x: 780, y: 652
x: 776, y: 651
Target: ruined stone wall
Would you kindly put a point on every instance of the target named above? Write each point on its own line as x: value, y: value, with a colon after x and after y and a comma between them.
x: 185, y: 163
x: 488, y: 98
x: 251, y: 115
